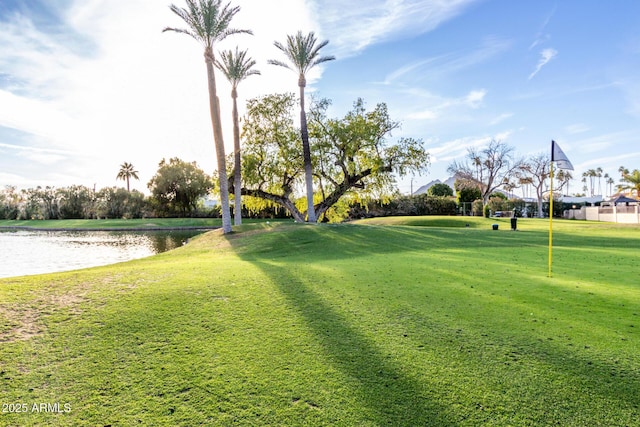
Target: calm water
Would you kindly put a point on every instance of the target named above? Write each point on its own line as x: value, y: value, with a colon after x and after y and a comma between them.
x: 33, y: 252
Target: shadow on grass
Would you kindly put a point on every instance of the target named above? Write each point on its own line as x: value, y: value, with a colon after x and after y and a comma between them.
x: 394, y: 397
x: 389, y: 395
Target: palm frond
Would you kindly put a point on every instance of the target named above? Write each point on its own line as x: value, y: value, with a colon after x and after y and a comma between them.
x: 236, y: 66
x: 302, y: 52
x: 207, y: 20
x: 279, y: 63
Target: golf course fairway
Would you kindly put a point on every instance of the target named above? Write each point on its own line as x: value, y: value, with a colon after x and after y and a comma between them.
x: 421, y: 321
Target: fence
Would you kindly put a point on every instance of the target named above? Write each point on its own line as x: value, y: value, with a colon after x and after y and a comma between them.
x: 620, y: 214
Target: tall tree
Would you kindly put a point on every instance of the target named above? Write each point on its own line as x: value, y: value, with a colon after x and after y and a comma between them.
x: 236, y: 66
x: 303, y: 53
x: 610, y: 181
x: 357, y: 158
x: 208, y: 22
x: 623, y: 171
x: 632, y: 180
x: 599, y: 176
x: 491, y: 168
x: 127, y: 171
x: 563, y: 177
x: 536, y: 172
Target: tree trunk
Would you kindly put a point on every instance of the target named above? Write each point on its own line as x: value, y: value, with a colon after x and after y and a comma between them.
x: 283, y: 201
x: 237, y: 171
x: 214, y: 107
x: 306, y: 152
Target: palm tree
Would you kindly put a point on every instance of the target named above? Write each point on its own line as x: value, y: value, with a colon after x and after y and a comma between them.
x: 236, y: 67
x: 208, y: 23
x: 302, y: 53
x: 623, y: 171
x: 127, y: 172
x: 564, y: 177
x: 633, y: 180
x: 610, y: 181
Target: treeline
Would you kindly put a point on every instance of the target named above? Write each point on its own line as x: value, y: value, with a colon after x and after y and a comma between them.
x: 80, y: 202
x: 74, y: 202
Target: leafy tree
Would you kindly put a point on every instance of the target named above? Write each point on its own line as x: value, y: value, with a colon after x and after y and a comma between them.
x: 440, y: 189
x: 302, y: 52
x: 632, y: 180
x: 42, y: 203
x: 468, y: 192
x: 76, y: 202
x: 536, y: 172
x: 353, y: 155
x: 490, y: 168
x: 178, y: 185
x: 208, y: 22
x: 127, y: 171
x: 115, y: 202
x: 236, y: 67
x: 9, y: 203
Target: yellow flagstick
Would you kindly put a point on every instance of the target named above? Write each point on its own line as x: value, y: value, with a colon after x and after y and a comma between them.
x: 550, y: 217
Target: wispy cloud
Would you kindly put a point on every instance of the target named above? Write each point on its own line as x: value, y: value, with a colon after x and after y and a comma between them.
x: 471, y: 100
x: 576, y: 128
x: 542, y: 36
x: 457, y: 149
x: 502, y: 117
x: 434, y: 67
x: 366, y: 22
x: 546, y: 55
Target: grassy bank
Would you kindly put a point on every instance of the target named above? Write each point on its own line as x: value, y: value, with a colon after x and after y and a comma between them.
x: 362, y: 324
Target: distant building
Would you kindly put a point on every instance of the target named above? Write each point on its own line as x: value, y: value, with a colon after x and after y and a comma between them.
x: 583, y: 201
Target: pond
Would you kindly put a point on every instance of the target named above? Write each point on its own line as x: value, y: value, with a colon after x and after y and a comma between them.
x: 27, y: 252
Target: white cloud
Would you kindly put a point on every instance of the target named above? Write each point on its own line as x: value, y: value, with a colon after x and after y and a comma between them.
x: 450, y: 107
x: 444, y: 65
x: 139, y: 94
x: 576, y: 128
x: 458, y: 148
x: 546, y: 55
x: 367, y: 22
x: 499, y: 119
x: 542, y: 36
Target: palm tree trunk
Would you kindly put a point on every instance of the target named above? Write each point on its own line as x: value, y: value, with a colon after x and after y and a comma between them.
x: 214, y: 107
x: 306, y: 152
x: 237, y: 172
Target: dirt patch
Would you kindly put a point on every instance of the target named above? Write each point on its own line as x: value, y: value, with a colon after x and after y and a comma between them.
x: 23, y: 321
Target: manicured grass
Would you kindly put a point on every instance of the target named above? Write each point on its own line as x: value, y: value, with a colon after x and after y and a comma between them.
x: 359, y: 324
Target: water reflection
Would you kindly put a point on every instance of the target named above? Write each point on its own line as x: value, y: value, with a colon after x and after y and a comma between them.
x: 34, y: 252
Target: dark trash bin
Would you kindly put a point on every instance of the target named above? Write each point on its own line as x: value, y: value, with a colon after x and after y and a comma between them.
x: 495, y: 226
x: 514, y: 223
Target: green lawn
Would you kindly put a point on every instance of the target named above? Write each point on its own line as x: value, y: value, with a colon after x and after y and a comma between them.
x: 425, y: 322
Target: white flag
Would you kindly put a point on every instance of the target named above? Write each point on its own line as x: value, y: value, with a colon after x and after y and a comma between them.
x: 558, y: 156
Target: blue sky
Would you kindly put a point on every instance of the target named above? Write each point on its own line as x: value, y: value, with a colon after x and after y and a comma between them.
x: 86, y: 84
